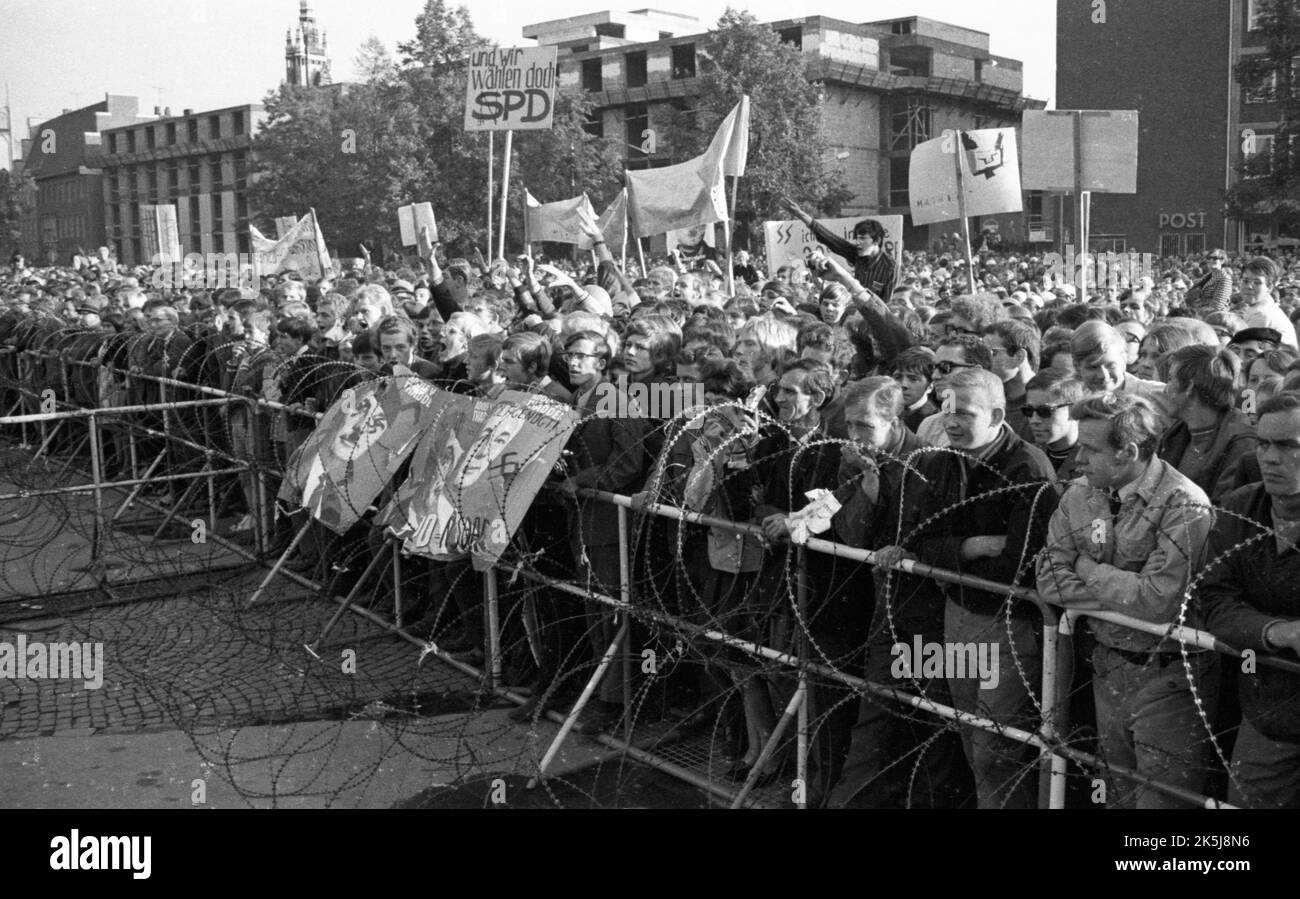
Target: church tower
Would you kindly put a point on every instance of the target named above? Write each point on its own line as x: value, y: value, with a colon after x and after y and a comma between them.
x: 305, y: 61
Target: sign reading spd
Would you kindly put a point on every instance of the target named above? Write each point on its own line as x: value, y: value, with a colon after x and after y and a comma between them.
x: 511, y: 89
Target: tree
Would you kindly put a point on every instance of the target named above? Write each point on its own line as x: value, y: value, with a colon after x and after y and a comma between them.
x: 787, y: 150
x: 397, y: 137
x: 1269, y: 183
x: 17, y: 197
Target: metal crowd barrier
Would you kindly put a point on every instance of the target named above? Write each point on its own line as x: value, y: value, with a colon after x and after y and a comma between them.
x: 1054, y: 754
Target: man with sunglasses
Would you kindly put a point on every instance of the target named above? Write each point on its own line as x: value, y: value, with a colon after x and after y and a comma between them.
x: 1212, y: 292
x: 872, y: 267
x: 958, y: 352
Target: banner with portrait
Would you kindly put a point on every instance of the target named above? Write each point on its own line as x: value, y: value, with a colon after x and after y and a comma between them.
x: 359, y: 444
x: 475, y: 474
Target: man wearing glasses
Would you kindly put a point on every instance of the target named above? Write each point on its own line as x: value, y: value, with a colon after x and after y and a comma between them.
x: 957, y: 352
x: 1261, y: 309
x: 1248, y: 599
x: 872, y: 267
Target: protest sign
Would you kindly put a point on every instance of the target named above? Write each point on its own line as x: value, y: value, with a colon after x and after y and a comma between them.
x: 359, y: 444
x: 302, y: 250
x: 510, y: 89
x: 990, y: 173
x: 791, y: 241
x: 1108, y: 139
x: 284, y: 224
x: 612, y: 224
x: 159, y: 231
x: 475, y: 473
x: 413, y: 217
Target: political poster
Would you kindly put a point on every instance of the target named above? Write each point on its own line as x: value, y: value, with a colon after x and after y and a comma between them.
x: 160, y: 232
x: 302, y: 250
x: 411, y: 218
x: 791, y: 241
x: 990, y: 173
x: 1108, y: 138
x: 510, y: 89
x: 359, y: 444
x: 475, y: 474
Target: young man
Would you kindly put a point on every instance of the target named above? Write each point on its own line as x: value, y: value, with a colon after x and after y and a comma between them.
x: 1129, y: 540
x: 1248, y: 599
x: 984, y: 511
x: 1014, y: 346
x: 913, y: 370
x: 397, y: 336
x: 956, y: 353
x: 1262, y: 310
x: 1100, y: 355
x: 1047, y: 408
x: 872, y: 267
x: 1208, y: 435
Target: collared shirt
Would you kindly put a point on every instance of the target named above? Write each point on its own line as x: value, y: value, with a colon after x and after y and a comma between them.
x: 1269, y: 314
x: 1146, y: 553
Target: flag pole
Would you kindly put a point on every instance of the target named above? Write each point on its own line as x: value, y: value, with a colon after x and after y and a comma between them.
x: 491, y: 164
x: 625, y: 234
x: 505, y: 192
x: 319, y: 239
x: 957, y: 154
x: 731, y: 265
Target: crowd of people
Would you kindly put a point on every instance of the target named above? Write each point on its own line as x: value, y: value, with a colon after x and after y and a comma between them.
x: 1128, y: 447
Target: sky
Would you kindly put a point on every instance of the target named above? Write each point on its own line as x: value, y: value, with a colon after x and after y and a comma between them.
x: 208, y: 54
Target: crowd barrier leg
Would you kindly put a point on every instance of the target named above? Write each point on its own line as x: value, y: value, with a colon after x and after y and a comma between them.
x: 130, y: 438
x: 1064, y: 642
x: 180, y: 504
x: 279, y: 563
x: 625, y: 594
x: 97, y: 477
x: 801, y: 744
x: 492, y: 612
x: 262, y: 522
x: 135, y: 489
x: 532, y: 628
x: 578, y: 706
x: 212, y: 494
x: 346, y: 605
x: 797, y: 701
x: 397, y: 584
x: 72, y: 456
x: 46, y: 442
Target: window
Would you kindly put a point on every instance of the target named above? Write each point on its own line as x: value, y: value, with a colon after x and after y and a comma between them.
x: 112, y: 144
x: 173, y: 178
x: 241, y: 170
x: 595, y: 124
x: 610, y: 29
x: 237, y: 123
x: 150, y: 138
x: 130, y: 141
x: 1193, y: 243
x: 192, y: 131
x: 899, y: 167
x: 1258, y: 156
x: 156, y: 185
x: 218, y: 224
x: 214, y: 127
x: 638, y: 120
x: 171, y: 134
x: 214, y: 173
x: 1252, y: 15
x: 1263, y: 91
x: 909, y: 124
x: 636, y: 69
x: 1106, y: 243
x: 194, y: 184
x: 196, y: 221
x: 684, y: 61
x: 792, y: 36
x: 904, y: 27
x: 591, y: 75
x: 1169, y: 244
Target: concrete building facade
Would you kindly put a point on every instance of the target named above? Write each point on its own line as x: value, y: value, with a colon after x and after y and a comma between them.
x: 888, y: 85
x: 63, y: 157
x: 199, y: 161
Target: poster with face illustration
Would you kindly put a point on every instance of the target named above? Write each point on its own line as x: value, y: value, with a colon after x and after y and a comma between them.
x: 359, y: 445
x: 476, y: 472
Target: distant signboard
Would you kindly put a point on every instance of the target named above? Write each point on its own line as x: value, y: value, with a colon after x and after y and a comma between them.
x: 511, y: 89
x: 990, y: 174
x: 1109, y: 140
